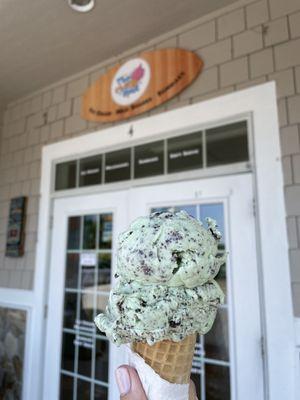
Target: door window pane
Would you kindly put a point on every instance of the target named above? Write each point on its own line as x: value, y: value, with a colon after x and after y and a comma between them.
x: 215, y: 211
x: 100, y: 393
x: 227, y: 144
x: 72, y: 268
x: 185, y: 152
x: 105, y: 234
x: 104, y: 272
x: 89, y: 231
x: 74, y: 233
x: 66, y: 387
x: 191, y: 210
x: 101, y: 360
x: 216, y: 340
x: 86, y: 307
x: 70, y: 308
x: 102, y: 300
x: 65, y: 175
x: 149, y: 159
x: 117, y: 165
x: 87, y: 276
x: 67, y: 361
x: 85, y: 356
x: 217, y: 382
x: 90, y: 171
x: 83, y: 390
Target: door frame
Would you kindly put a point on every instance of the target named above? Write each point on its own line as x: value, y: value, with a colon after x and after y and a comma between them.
x: 259, y: 105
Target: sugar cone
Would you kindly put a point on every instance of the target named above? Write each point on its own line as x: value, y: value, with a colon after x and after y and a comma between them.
x: 171, y: 360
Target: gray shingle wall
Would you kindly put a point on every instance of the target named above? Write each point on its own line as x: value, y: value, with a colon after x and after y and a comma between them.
x: 244, y: 47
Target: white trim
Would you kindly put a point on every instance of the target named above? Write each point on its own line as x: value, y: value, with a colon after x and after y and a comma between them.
x: 260, y: 102
x: 22, y: 300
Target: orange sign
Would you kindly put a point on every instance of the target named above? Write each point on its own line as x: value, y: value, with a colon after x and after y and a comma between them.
x: 140, y: 84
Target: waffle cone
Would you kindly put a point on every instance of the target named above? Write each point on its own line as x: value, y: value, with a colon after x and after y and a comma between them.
x: 172, y: 361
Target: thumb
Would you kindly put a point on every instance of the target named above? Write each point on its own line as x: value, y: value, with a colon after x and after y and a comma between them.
x: 129, y: 384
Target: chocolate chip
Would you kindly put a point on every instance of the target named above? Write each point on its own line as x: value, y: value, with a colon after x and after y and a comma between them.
x: 174, y: 324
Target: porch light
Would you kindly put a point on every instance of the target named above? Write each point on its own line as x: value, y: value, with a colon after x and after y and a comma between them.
x: 82, y: 5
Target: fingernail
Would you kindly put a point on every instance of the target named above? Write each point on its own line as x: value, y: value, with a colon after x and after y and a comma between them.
x: 123, y: 380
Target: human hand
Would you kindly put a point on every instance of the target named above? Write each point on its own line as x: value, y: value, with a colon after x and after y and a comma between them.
x: 131, y: 388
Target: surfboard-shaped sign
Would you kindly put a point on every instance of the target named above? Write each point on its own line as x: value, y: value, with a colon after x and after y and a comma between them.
x: 140, y: 84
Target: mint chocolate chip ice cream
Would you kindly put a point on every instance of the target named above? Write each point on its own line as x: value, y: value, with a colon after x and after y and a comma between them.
x: 166, y: 266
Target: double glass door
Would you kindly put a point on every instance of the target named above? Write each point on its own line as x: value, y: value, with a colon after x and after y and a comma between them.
x: 79, y: 359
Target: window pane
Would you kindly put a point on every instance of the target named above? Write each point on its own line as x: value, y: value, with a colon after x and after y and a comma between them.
x: 85, y: 356
x: 67, y: 360
x: 105, y: 234
x: 90, y: 171
x: 74, y: 233
x: 102, y: 300
x: 89, y: 232
x: 191, y: 210
x: 104, y: 264
x: 86, y: 308
x: 100, y: 393
x: 101, y: 361
x: 70, y: 310
x: 65, y: 176
x: 149, y: 159
x: 217, y: 380
x: 215, y: 211
x: 87, y: 277
x: 227, y: 144
x: 83, y: 390
x: 216, y: 340
x: 66, y: 387
x: 117, y: 166
x: 72, y: 268
x: 185, y: 152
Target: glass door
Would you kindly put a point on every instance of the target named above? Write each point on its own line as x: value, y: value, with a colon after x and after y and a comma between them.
x: 227, y: 364
x: 79, y: 359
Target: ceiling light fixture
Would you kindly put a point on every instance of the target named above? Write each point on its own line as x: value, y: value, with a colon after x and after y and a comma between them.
x: 82, y: 5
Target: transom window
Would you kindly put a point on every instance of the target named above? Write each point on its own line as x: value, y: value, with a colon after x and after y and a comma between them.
x: 212, y: 147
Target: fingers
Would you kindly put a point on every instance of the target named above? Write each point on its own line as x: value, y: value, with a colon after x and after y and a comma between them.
x: 192, y: 391
x: 129, y: 384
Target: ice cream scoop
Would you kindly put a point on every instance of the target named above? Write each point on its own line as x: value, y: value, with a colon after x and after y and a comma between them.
x: 154, y: 313
x: 169, y: 248
x: 166, y: 263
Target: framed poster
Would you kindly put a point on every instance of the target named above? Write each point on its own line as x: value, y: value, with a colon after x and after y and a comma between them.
x: 16, y: 227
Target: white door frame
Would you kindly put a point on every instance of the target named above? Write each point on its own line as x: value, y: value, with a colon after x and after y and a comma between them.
x: 260, y: 104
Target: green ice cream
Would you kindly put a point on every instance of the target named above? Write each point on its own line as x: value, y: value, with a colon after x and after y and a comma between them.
x: 166, y: 265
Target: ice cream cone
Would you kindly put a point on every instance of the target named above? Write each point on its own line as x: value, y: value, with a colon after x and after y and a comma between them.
x: 172, y: 361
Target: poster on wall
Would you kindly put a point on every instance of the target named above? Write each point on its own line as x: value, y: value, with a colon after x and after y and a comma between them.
x: 12, y: 343
x: 140, y: 84
x: 16, y: 227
